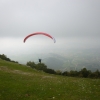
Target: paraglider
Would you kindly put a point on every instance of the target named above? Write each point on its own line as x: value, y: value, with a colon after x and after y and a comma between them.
x: 40, y: 60
x: 39, y: 33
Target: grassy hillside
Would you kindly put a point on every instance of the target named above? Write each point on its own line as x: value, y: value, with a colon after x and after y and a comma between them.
x: 19, y: 82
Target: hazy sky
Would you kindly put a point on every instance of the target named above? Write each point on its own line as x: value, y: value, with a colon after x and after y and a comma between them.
x: 73, y: 23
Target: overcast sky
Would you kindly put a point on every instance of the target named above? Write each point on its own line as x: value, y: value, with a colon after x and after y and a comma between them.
x: 73, y: 23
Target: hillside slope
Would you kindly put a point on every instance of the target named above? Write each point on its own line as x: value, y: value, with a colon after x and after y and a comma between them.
x: 20, y: 82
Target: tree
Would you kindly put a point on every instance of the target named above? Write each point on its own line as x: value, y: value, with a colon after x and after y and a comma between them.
x: 73, y: 73
x: 58, y: 72
x: 97, y: 74
x: 91, y: 75
x: 31, y: 64
x: 4, y: 57
x: 66, y: 73
x: 51, y: 71
x: 84, y: 73
x: 41, y: 66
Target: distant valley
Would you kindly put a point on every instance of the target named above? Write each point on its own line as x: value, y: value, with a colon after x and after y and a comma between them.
x: 72, y: 60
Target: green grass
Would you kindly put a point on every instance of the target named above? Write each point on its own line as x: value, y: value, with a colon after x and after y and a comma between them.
x: 19, y: 82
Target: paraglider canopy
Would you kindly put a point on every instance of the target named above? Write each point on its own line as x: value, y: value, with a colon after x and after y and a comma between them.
x: 39, y: 33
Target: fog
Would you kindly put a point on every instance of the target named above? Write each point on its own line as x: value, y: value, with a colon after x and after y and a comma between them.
x: 75, y: 24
